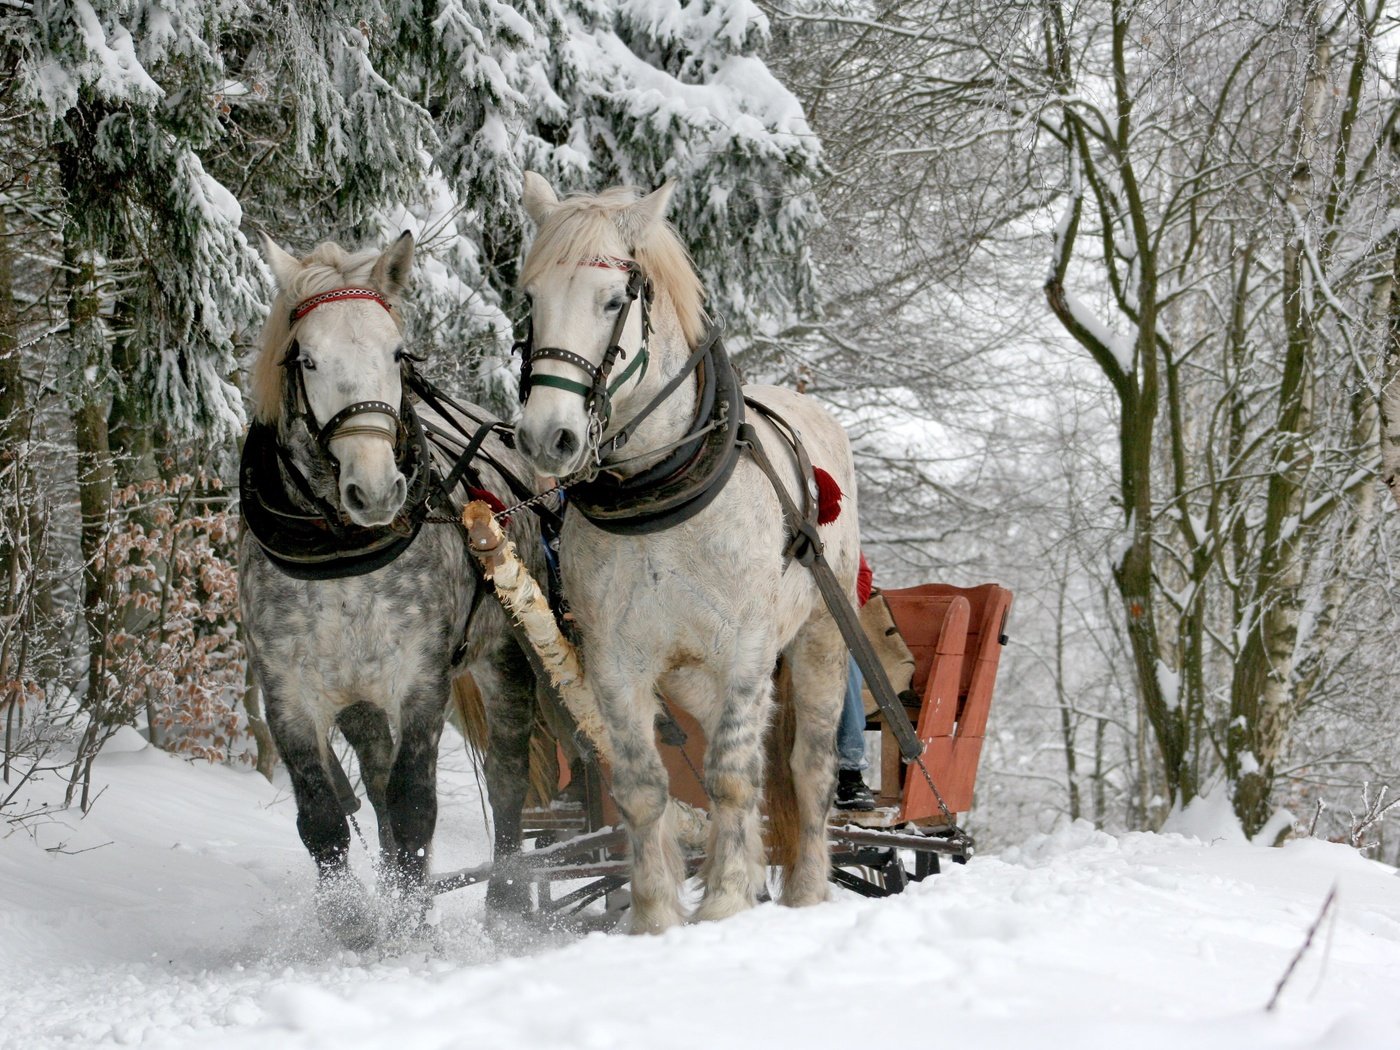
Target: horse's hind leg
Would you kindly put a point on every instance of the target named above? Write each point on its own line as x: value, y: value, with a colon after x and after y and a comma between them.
x: 507, y: 689
x: 367, y: 729
x: 817, y: 658
x: 734, y: 865
x: 641, y: 789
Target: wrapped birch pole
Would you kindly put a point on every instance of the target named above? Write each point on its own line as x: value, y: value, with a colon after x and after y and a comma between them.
x: 522, y: 598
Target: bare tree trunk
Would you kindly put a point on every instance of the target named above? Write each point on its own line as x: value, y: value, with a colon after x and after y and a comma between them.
x: 1062, y: 697
x: 1387, y: 308
x: 1262, y: 700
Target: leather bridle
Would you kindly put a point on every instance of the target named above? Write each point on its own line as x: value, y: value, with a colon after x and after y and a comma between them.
x: 597, y: 393
x: 300, y: 405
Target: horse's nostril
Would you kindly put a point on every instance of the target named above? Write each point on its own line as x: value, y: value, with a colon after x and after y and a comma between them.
x: 354, y: 498
x: 400, y: 490
x: 565, y: 442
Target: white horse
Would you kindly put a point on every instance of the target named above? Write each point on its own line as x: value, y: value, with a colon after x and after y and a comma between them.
x: 355, y: 618
x: 698, y: 610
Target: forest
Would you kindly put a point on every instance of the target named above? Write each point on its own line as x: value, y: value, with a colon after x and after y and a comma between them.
x: 1105, y: 294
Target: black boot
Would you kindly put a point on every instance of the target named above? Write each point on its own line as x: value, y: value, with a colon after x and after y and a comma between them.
x: 851, y: 792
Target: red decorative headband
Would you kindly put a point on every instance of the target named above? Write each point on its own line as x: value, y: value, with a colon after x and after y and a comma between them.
x: 335, y: 295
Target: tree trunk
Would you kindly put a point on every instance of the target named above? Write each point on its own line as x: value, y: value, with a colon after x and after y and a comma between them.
x: 1262, y: 699
x: 94, y: 459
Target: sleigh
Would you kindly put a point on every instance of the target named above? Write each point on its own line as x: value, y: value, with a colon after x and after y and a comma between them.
x: 940, y: 645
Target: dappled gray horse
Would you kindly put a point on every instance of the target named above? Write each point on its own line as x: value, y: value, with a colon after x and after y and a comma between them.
x: 357, y: 614
x: 675, y: 556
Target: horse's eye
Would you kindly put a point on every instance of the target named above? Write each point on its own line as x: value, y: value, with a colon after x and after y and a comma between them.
x: 614, y: 305
x: 306, y: 363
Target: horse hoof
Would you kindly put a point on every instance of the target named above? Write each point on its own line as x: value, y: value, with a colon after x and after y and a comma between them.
x: 407, y: 900
x: 345, y: 909
x: 712, y: 909
x: 654, y: 921
x: 508, y: 897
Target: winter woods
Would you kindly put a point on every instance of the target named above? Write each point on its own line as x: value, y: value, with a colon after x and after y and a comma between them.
x: 1206, y: 197
x: 144, y: 145
x: 1104, y: 291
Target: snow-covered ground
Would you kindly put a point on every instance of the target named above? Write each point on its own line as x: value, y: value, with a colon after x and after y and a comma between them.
x: 176, y: 914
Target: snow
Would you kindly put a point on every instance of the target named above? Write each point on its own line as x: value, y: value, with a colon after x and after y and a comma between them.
x: 1122, y: 347
x: 177, y: 915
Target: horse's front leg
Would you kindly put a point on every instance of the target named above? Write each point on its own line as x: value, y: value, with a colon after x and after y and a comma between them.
x: 411, y: 794
x: 366, y: 727
x: 641, y: 789
x: 734, y: 866
x: 340, y: 900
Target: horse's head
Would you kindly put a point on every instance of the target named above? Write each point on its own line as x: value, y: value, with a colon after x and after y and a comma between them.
x: 332, y: 357
x: 583, y: 274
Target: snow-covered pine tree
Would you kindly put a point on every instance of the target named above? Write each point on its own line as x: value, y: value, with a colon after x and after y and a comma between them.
x: 640, y: 91
x: 324, y: 136
x: 156, y: 278
x: 129, y: 96
x: 467, y: 94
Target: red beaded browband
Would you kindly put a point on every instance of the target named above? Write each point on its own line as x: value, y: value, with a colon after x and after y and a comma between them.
x: 335, y: 295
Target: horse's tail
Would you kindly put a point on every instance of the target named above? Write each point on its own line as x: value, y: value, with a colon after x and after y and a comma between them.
x: 780, y: 795
x: 469, y: 714
x: 469, y: 711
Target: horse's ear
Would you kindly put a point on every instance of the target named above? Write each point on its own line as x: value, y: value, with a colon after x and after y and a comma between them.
x: 284, y: 265
x: 652, y: 207
x: 390, y: 273
x: 634, y: 220
x: 538, y: 197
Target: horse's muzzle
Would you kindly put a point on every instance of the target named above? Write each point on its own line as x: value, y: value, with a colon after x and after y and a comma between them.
x: 370, y: 507
x: 556, y: 456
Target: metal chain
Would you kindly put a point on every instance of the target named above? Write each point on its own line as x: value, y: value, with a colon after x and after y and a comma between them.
x: 539, y: 497
x: 500, y: 515
x: 958, y: 833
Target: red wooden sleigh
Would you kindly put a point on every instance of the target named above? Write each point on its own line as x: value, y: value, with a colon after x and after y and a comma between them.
x: 954, y: 636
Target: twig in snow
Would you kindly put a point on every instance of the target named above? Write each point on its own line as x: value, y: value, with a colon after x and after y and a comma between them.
x: 1307, y: 943
x: 62, y: 847
x: 1317, y: 813
x: 1373, y: 813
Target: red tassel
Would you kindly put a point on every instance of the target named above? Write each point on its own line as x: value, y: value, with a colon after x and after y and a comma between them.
x: 490, y: 499
x: 828, y: 497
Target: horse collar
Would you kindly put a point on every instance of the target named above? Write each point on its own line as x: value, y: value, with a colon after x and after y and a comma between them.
x: 318, y: 544
x: 686, y: 481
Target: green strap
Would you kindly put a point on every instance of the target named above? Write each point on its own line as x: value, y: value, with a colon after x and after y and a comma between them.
x: 640, y: 360
x: 561, y: 383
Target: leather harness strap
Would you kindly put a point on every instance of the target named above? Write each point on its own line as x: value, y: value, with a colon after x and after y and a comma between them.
x: 809, y: 551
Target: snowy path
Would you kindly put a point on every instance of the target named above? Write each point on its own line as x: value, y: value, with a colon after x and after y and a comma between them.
x: 191, y: 928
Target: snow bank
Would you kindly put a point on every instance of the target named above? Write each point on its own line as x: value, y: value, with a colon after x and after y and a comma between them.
x: 190, y: 927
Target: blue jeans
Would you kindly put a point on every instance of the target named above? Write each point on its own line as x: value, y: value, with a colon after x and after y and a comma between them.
x: 850, y: 731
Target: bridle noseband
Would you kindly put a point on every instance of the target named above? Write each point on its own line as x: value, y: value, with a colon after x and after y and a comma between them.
x: 598, y: 391
x: 301, y: 404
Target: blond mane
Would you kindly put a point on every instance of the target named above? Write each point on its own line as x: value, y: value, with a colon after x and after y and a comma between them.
x: 581, y: 227
x: 328, y: 266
